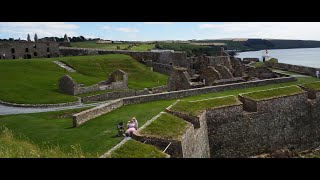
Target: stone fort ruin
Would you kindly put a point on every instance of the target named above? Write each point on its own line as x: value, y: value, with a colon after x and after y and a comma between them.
x: 117, y: 80
x: 39, y: 48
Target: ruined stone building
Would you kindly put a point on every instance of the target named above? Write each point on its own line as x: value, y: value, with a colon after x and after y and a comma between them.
x: 39, y: 48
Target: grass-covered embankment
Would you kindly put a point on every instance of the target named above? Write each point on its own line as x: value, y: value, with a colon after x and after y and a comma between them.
x: 273, y: 93
x: 97, y: 135
x: 35, y: 81
x: 166, y: 126
x: 196, y: 107
x: 136, y: 149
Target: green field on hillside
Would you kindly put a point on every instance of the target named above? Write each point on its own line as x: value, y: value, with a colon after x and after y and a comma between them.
x: 97, y: 135
x: 35, y: 81
x: 122, y: 46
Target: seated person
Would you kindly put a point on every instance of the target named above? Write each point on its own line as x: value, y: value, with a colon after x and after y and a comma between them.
x: 130, y: 131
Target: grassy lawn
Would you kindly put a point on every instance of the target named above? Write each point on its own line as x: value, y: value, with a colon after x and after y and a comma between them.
x: 97, y: 136
x: 12, y: 147
x: 196, y: 107
x: 314, y: 86
x: 135, y: 149
x: 166, y: 126
x: 92, y: 44
x: 35, y: 81
x: 99, y: 67
x: 32, y: 81
x: 272, y: 93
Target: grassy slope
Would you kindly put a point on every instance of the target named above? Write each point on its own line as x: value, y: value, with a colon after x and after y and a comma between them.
x: 31, y: 81
x: 97, y: 136
x: 314, y: 86
x: 12, y: 147
x: 135, y: 149
x: 35, y: 81
x: 99, y: 67
x: 195, y: 107
x: 272, y: 93
x: 166, y: 126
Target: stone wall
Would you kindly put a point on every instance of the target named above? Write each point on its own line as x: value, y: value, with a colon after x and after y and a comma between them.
x: 261, y: 73
x: 86, y: 115
x: 121, y: 94
x: 162, y: 68
x: 288, y: 122
x: 28, y: 50
x: 100, y: 110
x: 220, y: 60
x: 285, y: 122
x: 310, y: 71
x: 109, y: 96
x: 117, y: 80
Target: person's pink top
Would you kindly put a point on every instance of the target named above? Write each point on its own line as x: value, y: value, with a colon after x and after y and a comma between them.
x: 131, y: 130
x: 131, y: 125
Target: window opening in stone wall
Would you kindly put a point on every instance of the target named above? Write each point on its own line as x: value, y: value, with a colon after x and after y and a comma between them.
x: 48, y: 49
x: 35, y: 54
x: 13, y: 50
x: 35, y: 46
x: 27, y: 49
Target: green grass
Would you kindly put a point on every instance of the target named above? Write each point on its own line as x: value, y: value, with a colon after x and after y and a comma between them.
x: 35, y: 81
x: 31, y: 81
x: 166, y: 126
x: 92, y: 44
x: 313, y: 86
x: 272, y: 93
x: 99, y: 68
x: 95, y: 137
x: 143, y: 47
x: 135, y: 149
x: 196, y: 107
x: 12, y: 147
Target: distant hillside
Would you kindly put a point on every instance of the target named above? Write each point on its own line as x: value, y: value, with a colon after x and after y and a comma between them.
x: 260, y: 44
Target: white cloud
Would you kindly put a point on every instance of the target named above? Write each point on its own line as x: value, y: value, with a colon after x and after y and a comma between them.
x: 42, y: 29
x: 272, y: 30
x: 127, y: 30
x: 106, y: 28
x: 121, y: 29
x: 165, y: 23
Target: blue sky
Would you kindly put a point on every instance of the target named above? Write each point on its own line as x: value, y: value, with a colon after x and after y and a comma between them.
x: 146, y: 31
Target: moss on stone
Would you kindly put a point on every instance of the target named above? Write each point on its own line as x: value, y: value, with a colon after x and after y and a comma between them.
x: 273, y: 93
x: 136, y: 149
x: 196, y: 107
x: 166, y: 126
